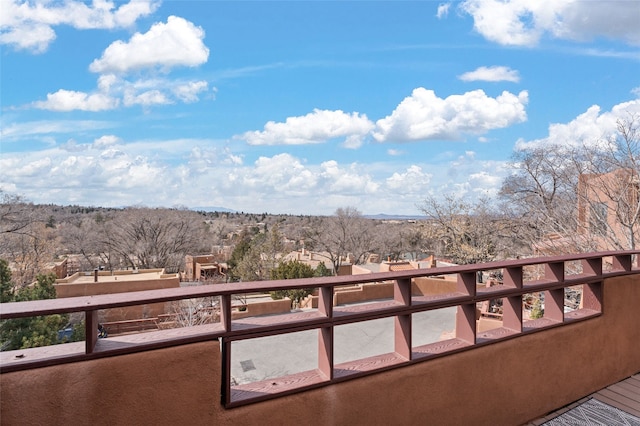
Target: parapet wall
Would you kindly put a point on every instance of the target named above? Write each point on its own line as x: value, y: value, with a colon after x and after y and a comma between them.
x: 507, y: 383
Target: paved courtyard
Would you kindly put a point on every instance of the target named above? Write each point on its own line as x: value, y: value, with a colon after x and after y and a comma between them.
x: 274, y: 356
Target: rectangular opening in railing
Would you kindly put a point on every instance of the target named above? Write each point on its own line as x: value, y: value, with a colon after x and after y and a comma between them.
x: 36, y: 338
x: 263, y: 366
x: 364, y: 346
x: 434, y: 332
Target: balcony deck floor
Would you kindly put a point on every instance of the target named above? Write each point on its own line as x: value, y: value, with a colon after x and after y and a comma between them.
x: 624, y: 395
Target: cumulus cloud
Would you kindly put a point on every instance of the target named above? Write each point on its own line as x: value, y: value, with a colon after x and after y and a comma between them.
x: 176, y: 43
x: 148, y: 98
x: 315, y: 127
x: 589, y: 128
x: 413, y: 177
x: 113, y: 92
x: 70, y: 100
x: 105, y: 141
x: 281, y: 171
x: 111, y: 172
x: 164, y: 46
x: 347, y: 180
x: 424, y: 116
x: 493, y: 74
x: 188, y: 92
x: 29, y: 25
x: 523, y: 23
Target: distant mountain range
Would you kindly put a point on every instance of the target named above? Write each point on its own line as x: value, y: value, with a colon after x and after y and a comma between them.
x: 382, y: 216
x: 213, y: 209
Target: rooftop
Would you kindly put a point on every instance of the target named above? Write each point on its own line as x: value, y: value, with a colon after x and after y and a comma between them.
x: 108, y: 276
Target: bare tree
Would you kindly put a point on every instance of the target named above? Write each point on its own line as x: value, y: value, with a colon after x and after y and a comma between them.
x: 468, y: 232
x: 609, y: 197
x: 578, y: 198
x: 152, y: 238
x: 25, y: 241
x: 345, y: 233
x: 402, y: 239
x: 16, y: 214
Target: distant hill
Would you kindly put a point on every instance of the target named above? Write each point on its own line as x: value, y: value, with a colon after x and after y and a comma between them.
x: 382, y: 216
x: 213, y: 209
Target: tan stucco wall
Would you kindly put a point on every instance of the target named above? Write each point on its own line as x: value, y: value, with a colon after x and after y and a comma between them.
x: 503, y: 384
x: 426, y: 286
x: 110, y: 286
x: 268, y: 307
x: 365, y: 292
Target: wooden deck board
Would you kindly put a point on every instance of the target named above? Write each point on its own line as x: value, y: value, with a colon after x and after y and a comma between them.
x: 624, y: 395
x: 622, y: 401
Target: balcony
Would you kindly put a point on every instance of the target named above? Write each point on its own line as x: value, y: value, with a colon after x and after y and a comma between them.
x: 509, y: 374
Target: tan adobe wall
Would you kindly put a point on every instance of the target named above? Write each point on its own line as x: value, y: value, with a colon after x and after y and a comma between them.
x: 425, y: 286
x: 264, y: 308
x: 122, y: 285
x: 420, y: 287
x: 508, y: 383
x: 344, y: 270
x: 363, y: 293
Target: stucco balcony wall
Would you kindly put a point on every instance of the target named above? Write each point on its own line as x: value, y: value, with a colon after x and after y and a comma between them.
x: 507, y: 383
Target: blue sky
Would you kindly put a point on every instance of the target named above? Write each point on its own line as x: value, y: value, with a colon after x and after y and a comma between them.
x: 301, y: 107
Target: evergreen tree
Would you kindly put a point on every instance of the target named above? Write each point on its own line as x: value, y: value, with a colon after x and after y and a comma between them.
x: 6, y: 286
x: 22, y: 333
x: 290, y: 270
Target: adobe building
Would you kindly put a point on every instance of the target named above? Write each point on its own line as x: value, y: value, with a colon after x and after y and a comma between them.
x: 205, y: 268
x: 606, y: 200
x: 59, y: 268
x: 107, y: 282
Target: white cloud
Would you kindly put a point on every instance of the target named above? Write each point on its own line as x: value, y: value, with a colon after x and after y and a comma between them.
x: 176, y: 43
x: 590, y: 128
x: 110, y: 172
x: 148, y: 98
x: 69, y: 100
x: 523, y: 22
x: 395, y: 152
x: 113, y: 92
x: 494, y: 73
x: 413, y: 177
x: 281, y: 171
x: 15, y: 131
x: 353, y: 141
x: 188, y: 92
x: 105, y: 141
x: 424, y: 116
x: 443, y: 10
x: 316, y: 127
x: 347, y: 180
x: 29, y: 25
